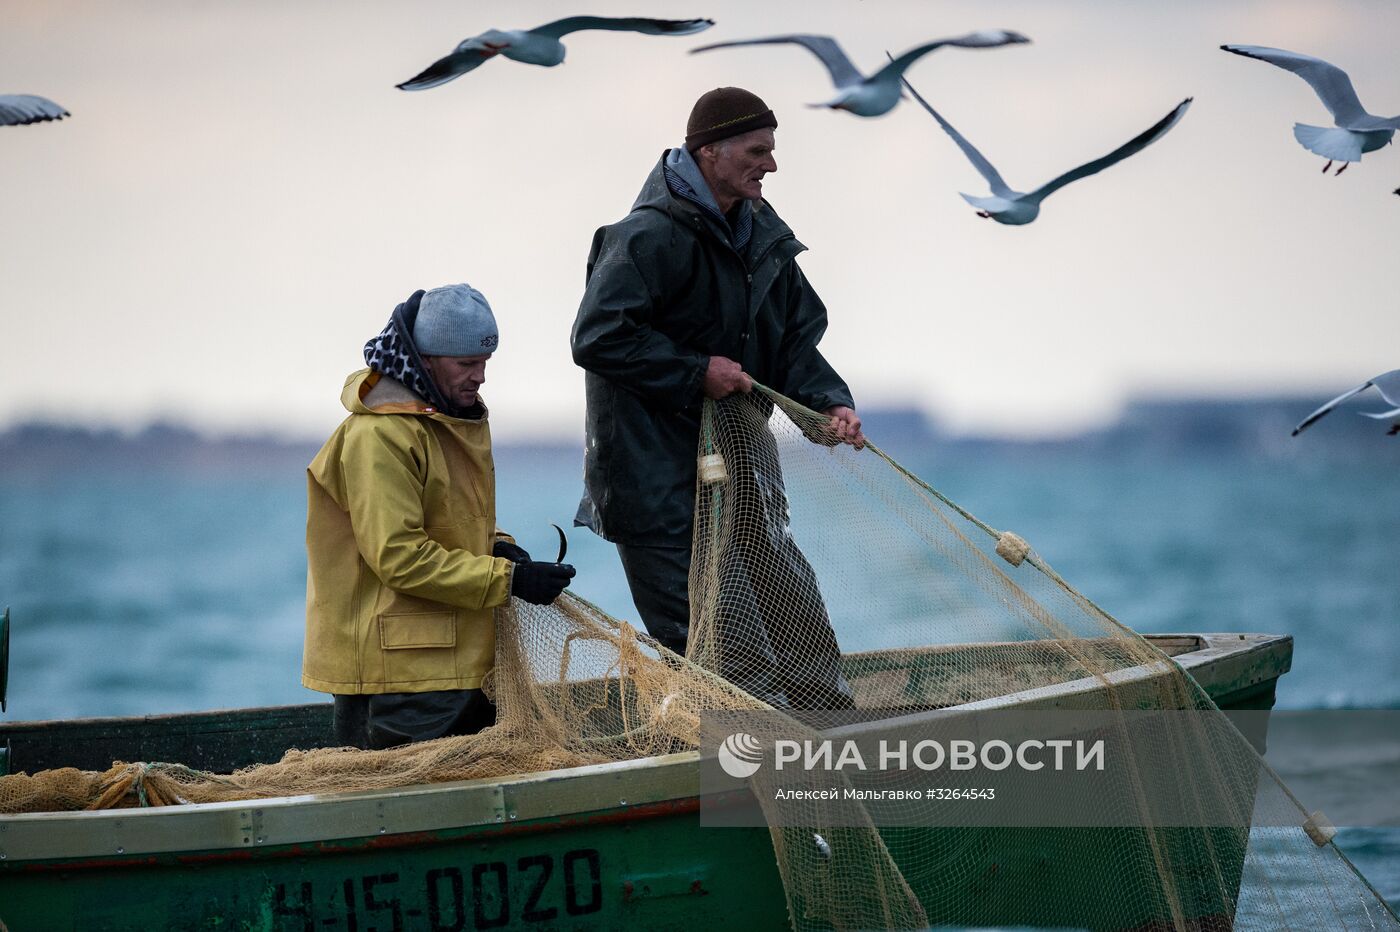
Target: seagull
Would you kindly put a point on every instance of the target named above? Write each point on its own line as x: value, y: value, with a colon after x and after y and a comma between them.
x: 541, y: 45
x: 1356, y: 131
x: 877, y: 94
x: 1017, y: 207
x: 22, y: 109
x: 1387, y: 383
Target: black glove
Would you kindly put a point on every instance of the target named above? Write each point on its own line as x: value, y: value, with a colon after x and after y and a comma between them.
x: 540, y: 583
x: 512, y: 552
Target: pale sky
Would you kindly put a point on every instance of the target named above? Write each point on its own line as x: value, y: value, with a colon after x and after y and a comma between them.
x: 241, y: 197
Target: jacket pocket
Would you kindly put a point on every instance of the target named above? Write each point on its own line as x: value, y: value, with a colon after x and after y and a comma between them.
x: 417, y: 646
x: 417, y: 630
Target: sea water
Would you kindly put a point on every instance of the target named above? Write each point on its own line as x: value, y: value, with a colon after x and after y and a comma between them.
x: 160, y: 590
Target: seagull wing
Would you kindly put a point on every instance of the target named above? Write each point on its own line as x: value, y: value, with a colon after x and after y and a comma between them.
x: 843, y: 73
x: 21, y: 109
x: 1307, y: 421
x: 900, y: 64
x: 973, y: 40
x: 978, y: 160
x: 651, y: 27
x: 1388, y: 384
x: 1132, y: 146
x: 445, y: 69
x: 1330, y: 82
x: 1381, y: 415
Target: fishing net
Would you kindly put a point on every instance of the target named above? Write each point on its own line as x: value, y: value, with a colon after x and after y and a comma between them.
x: 829, y: 585
x: 572, y: 687
x: 935, y: 610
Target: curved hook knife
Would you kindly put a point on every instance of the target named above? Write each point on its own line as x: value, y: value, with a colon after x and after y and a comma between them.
x: 563, y: 544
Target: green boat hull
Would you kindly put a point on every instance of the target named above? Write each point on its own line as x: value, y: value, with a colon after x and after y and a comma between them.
x: 587, y: 848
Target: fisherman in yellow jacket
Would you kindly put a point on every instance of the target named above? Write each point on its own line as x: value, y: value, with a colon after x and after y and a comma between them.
x: 405, y: 564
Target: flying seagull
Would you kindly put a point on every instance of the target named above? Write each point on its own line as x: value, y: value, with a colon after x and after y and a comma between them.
x: 22, y: 109
x: 1387, y: 383
x: 1356, y: 131
x: 541, y: 45
x: 877, y: 94
x: 1017, y: 207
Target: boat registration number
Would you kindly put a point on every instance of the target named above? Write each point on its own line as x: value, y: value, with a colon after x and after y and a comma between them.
x: 488, y: 895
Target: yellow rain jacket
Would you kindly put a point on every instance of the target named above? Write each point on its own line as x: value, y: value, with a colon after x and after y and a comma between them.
x: 400, y: 522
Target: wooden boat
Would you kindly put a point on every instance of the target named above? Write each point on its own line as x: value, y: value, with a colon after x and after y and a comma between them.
x: 590, y: 847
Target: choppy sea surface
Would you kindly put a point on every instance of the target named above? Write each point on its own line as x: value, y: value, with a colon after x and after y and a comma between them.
x: 162, y: 590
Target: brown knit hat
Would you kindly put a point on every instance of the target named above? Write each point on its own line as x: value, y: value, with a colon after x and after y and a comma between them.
x: 725, y: 112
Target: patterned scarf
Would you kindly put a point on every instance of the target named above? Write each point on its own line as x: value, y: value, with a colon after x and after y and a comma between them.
x: 393, y: 354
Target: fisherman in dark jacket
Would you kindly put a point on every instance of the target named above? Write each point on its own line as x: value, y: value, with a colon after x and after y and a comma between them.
x: 692, y: 294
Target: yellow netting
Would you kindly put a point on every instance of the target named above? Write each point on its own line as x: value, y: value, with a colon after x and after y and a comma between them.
x: 825, y: 578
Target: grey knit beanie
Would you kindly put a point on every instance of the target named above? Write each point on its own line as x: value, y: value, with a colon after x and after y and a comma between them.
x: 455, y: 320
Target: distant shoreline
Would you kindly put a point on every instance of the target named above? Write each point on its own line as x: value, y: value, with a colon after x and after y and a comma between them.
x: 1253, y: 427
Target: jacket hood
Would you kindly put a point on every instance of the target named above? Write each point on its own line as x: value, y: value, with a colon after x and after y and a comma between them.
x: 656, y: 194
x: 388, y: 395
x: 686, y: 180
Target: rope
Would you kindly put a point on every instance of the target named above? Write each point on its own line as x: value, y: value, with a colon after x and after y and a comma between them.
x: 1032, y: 557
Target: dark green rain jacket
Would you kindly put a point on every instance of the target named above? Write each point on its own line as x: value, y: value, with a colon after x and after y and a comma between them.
x: 666, y: 291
